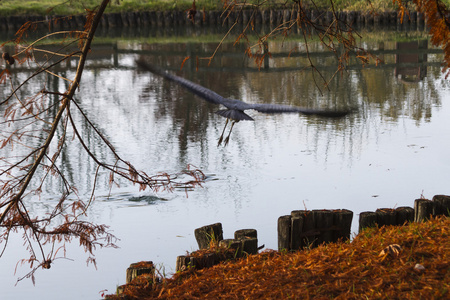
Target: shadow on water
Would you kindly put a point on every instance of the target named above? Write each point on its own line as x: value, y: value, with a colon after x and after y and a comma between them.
x: 149, y: 199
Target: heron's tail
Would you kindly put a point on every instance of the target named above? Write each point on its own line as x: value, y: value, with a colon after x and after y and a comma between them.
x: 234, y: 114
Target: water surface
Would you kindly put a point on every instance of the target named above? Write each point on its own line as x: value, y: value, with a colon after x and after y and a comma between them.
x: 391, y: 151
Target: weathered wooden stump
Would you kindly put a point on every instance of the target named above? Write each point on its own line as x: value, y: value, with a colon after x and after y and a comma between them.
x: 284, y: 233
x: 199, y: 262
x: 302, y: 223
x: 235, y: 245
x: 183, y: 262
x: 442, y: 205
x: 249, y: 240
x: 136, y: 269
x: 404, y: 214
x: 367, y: 219
x: 342, y: 224
x: 296, y: 231
x: 323, y: 223
x: 312, y: 228
x: 204, y: 235
x: 245, y: 233
x: 309, y: 229
x: 206, y: 261
x: 423, y: 209
x: 385, y: 216
x: 249, y: 245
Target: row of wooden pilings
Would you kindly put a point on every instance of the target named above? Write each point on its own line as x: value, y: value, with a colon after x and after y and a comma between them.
x: 301, y: 229
x: 212, y: 18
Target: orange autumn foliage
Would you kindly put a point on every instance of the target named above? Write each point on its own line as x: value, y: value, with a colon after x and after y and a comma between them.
x: 356, y: 270
x: 437, y: 20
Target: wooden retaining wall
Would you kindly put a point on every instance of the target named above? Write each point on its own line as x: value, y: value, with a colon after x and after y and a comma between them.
x: 211, y: 18
x: 303, y: 228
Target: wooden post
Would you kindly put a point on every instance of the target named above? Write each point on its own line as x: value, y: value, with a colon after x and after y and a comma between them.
x: 385, y: 216
x: 284, y: 233
x: 266, y: 55
x: 306, y: 229
x: 309, y: 229
x: 160, y: 19
x: 236, y: 245
x: 265, y: 15
x: 404, y: 214
x: 193, y: 262
x: 245, y: 233
x: 249, y: 239
x: 423, y: 209
x: 249, y: 245
x: 182, y: 263
x: 136, y: 269
x: 323, y: 222
x: 245, y: 16
x: 297, y: 224
x: 209, y: 260
x: 204, y: 261
x: 120, y: 289
x: 198, y: 262
x: 273, y: 17
x: 258, y: 17
x: 442, y: 205
x: 342, y: 221
x: 286, y: 15
x: 296, y: 238
x: 367, y: 219
x: 204, y: 235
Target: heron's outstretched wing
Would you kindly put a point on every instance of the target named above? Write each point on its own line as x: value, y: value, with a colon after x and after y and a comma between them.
x: 194, y: 88
x: 278, y: 108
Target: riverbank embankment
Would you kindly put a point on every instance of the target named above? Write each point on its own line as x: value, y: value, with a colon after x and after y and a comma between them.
x: 272, y: 17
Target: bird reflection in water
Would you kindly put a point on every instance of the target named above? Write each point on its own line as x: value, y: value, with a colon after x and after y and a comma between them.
x: 234, y: 111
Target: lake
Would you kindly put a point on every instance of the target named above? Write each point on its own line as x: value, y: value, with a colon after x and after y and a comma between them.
x: 391, y: 151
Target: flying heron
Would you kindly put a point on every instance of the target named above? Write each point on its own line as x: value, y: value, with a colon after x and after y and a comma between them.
x: 235, y: 108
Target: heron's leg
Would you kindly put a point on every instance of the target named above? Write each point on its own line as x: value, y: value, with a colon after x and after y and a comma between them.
x: 221, y: 136
x: 229, y: 133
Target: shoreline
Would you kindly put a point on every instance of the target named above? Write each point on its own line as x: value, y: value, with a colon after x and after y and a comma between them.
x: 160, y: 19
x: 386, y: 262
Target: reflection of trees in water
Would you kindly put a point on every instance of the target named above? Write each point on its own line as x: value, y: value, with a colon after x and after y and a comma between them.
x: 27, y: 131
x: 375, y: 91
x: 148, y: 116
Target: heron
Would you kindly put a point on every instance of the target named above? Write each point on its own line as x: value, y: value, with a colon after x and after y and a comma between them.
x: 234, y: 111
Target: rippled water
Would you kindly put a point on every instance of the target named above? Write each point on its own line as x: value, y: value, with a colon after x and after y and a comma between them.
x: 388, y: 153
